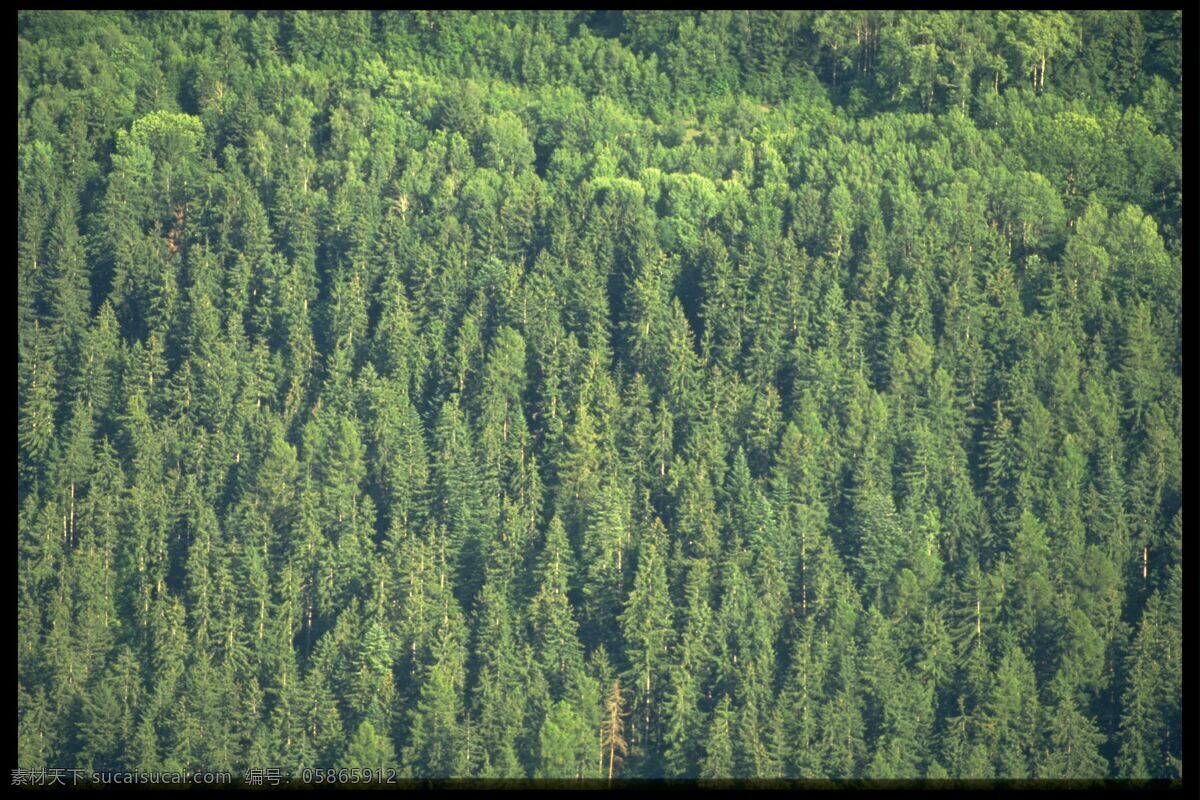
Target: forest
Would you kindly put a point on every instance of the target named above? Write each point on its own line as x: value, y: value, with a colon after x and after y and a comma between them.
x: 601, y: 395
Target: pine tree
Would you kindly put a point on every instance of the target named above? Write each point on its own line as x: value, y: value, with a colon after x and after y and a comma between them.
x: 1072, y: 742
x: 647, y: 631
x: 613, y: 746
x: 36, y: 398
x: 553, y: 622
x: 437, y: 733
x: 1143, y: 735
x: 1012, y: 709
x: 565, y: 744
x: 718, y: 747
x: 455, y: 480
x: 501, y: 694
x: 367, y: 749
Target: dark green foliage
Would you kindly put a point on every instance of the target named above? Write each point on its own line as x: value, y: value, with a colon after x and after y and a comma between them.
x: 580, y: 394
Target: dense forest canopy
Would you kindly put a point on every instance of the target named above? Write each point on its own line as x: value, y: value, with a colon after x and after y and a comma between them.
x: 565, y: 394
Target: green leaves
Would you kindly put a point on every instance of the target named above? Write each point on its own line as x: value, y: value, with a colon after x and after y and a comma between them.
x: 817, y: 373
x: 367, y: 749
